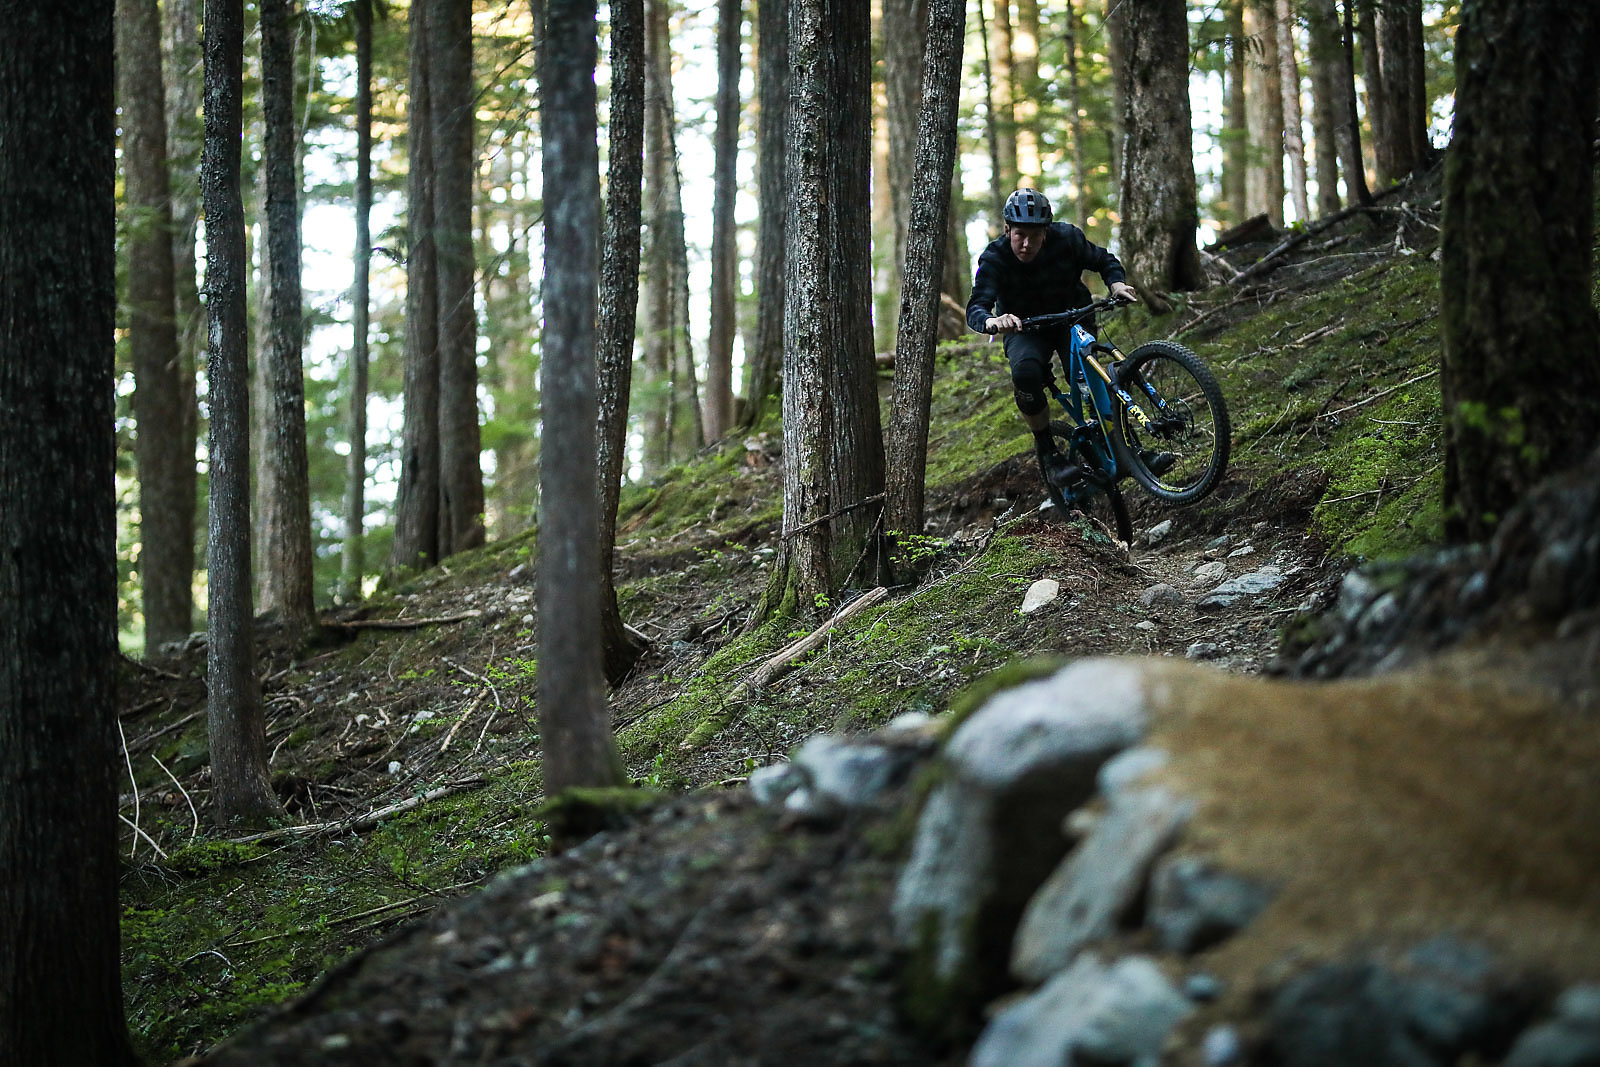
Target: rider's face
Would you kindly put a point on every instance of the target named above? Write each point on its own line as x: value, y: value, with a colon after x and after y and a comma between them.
x: 1026, y: 240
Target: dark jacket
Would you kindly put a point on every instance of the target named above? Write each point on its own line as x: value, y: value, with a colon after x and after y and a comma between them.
x: 1052, y: 282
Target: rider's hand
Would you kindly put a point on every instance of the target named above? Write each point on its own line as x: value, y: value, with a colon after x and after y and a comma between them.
x: 1124, y: 293
x: 1003, y: 324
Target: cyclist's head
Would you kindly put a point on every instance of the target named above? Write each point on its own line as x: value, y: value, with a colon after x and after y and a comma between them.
x: 1027, y: 207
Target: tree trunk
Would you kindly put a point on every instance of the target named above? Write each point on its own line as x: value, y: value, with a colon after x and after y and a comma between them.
x: 416, y: 532
x: 1294, y: 144
x: 240, y: 792
x: 659, y: 294
x: 686, y: 429
x: 1080, y: 174
x: 619, y: 304
x: 1264, y: 104
x: 919, y: 294
x: 1372, y: 81
x: 991, y: 122
x: 182, y: 70
x: 1159, y: 206
x: 287, y: 585
x: 1350, y: 157
x: 1235, y: 123
x: 353, y: 558
x: 772, y: 90
x: 1514, y: 221
x: 1112, y: 22
x: 904, y: 25
x: 1025, y: 78
x: 60, y: 982
x: 1326, y: 60
x: 1004, y: 96
x: 575, y: 733
x: 856, y: 470
x: 724, y: 253
x: 452, y: 105
x: 1403, y: 148
x: 800, y: 576
x: 166, y: 492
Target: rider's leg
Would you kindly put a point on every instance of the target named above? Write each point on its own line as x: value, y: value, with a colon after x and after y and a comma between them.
x: 1029, y: 356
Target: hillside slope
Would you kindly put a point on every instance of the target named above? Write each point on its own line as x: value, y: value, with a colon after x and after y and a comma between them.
x: 1327, y: 363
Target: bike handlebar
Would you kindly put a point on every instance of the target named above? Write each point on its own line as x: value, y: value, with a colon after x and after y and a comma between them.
x: 1070, y: 318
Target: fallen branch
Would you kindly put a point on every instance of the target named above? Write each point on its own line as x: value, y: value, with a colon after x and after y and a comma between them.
x: 1380, y: 395
x: 875, y: 498
x: 361, y: 822
x: 401, y: 624
x: 140, y: 742
x: 341, y: 920
x: 785, y: 657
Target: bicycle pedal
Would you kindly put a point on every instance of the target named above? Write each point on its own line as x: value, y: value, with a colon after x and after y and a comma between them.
x: 1157, y: 463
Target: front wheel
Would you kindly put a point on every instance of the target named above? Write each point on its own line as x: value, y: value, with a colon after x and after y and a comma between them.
x: 1102, y: 502
x: 1175, y: 439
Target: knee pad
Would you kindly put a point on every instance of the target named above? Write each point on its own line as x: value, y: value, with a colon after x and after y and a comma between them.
x: 1028, y: 378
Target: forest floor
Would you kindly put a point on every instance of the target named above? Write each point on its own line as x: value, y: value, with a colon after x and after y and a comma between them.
x: 404, y: 744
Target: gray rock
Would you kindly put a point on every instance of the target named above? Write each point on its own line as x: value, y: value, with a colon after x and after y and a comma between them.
x: 1194, y: 905
x: 1146, y: 625
x: 1127, y: 769
x: 1210, y: 572
x: 771, y: 784
x: 1161, y: 596
x: 1061, y: 727
x: 1242, y: 551
x: 1571, y: 1038
x: 1219, y: 542
x: 851, y: 774
x: 1158, y: 533
x: 1039, y: 594
x: 1202, y: 986
x: 1089, y: 1013
x: 1087, y: 895
x: 1203, y: 650
x: 1221, y: 1046
x: 942, y: 884
x: 1244, y: 587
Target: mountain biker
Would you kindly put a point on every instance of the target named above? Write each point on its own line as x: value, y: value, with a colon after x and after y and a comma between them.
x: 1036, y: 268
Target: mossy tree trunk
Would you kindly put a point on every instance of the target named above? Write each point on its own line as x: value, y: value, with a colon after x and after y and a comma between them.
x: 578, y: 747
x: 1159, y: 206
x: 237, y: 731
x: 1294, y: 138
x: 60, y: 982
x: 619, y: 304
x: 919, y: 295
x: 166, y: 487
x: 765, y: 361
x: 1521, y: 378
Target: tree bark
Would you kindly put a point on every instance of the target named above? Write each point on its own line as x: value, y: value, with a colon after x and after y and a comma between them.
x: 800, y: 575
x: 856, y: 470
x: 660, y: 303
x: 240, y: 791
x: 1025, y: 79
x: 578, y: 747
x: 353, y: 557
x: 166, y: 491
x: 1264, y: 103
x: 1294, y: 142
x: 1326, y: 61
x: 1403, y: 148
x: 416, y: 533
x: 1004, y: 83
x: 991, y: 124
x: 1235, y: 122
x: 619, y: 303
x: 181, y: 42
x: 724, y: 254
x: 1159, y: 206
x: 452, y: 105
x: 772, y: 90
x: 1350, y: 156
x: 1372, y: 82
x: 60, y: 982
x: 287, y: 586
x: 1517, y: 257
x: 1080, y: 175
x: 917, y: 335
x: 904, y: 26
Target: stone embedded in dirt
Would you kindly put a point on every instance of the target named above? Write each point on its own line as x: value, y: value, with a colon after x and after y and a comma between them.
x: 1221, y: 1047
x: 1158, y: 533
x: 989, y: 835
x: 1090, y: 892
x: 1442, y: 1001
x: 851, y: 774
x: 1039, y: 594
x: 1209, y: 573
x: 1161, y: 595
x: 1203, y: 650
x: 773, y: 783
x: 1219, y: 542
x: 1244, y: 587
x: 1091, y: 1012
x: 1128, y: 769
x: 1194, y: 905
x: 1146, y: 625
x: 1570, y: 1038
x: 1242, y: 550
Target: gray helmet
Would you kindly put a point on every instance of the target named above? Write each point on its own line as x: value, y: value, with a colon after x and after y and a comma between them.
x: 1027, y: 206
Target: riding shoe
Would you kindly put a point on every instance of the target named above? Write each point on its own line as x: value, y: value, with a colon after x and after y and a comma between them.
x: 1157, y: 463
x: 1060, y: 471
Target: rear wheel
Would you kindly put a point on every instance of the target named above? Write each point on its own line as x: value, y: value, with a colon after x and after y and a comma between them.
x: 1184, y: 417
x: 1094, y: 495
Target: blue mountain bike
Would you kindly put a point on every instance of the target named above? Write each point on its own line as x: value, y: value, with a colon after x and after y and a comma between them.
x: 1156, y: 415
